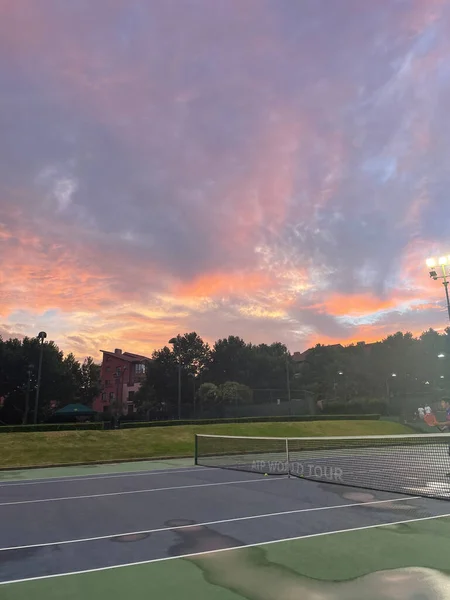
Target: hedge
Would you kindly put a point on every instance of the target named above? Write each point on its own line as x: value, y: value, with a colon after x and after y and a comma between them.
x: 357, y: 406
x: 50, y: 427
x: 136, y: 424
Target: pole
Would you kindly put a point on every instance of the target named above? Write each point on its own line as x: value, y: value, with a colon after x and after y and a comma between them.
x: 38, y: 388
x: 288, y: 466
x: 117, y: 411
x: 195, y: 408
x: 288, y: 383
x: 179, y: 389
x: 445, y: 282
x: 27, y: 399
x: 196, y: 450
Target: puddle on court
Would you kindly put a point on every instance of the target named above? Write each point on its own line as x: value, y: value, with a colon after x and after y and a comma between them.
x: 406, y: 505
x: 248, y: 573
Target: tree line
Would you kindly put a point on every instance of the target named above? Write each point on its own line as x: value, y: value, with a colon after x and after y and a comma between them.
x: 64, y: 380
x: 234, y: 374
x: 400, y: 368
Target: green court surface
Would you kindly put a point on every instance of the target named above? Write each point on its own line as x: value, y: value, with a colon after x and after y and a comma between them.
x: 409, y: 561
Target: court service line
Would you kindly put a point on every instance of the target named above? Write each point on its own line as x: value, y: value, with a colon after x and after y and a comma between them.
x: 207, y: 523
x: 219, y: 550
x: 146, y: 491
x: 78, y: 478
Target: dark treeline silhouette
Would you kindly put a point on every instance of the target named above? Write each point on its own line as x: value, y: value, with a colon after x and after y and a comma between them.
x: 235, y: 378
x: 64, y: 380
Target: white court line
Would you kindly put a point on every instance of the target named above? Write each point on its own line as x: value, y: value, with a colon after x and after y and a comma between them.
x: 221, y: 521
x: 209, y: 552
x: 164, y: 489
x: 78, y: 478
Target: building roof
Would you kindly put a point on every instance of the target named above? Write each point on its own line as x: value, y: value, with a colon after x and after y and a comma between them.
x: 302, y: 356
x: 126, y: 356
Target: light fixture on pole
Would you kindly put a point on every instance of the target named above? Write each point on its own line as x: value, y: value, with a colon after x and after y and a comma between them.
x: 41, y: 336
x: 441, y: 264
x: 174, y: 341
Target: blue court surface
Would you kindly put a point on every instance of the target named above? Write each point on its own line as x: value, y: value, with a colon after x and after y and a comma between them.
x: 166, y: 532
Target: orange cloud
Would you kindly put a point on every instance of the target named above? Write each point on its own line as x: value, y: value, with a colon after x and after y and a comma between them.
x: 224, y: 284
x: 360, y: 304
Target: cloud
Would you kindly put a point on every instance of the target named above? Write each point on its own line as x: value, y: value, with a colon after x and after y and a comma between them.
x: 275, y: 169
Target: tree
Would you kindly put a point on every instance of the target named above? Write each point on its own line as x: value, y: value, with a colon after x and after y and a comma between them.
x: 193, y: 353
x: 90, y: 386
x: 146, y: 402
x: 71, y: 387
x: 235, y: 393
x: 208, y: 394
x: 59, y: 379
x: 229, y: 361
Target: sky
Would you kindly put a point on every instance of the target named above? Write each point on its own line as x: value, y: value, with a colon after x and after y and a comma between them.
x: 273, y: 169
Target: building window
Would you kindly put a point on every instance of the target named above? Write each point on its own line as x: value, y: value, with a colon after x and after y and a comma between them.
x: 139, y: 369
x: 130, y: 407
x: 108, y: 369
x: 107, y: 382
x: 105, y: 409
x: 111, y: 395
x: 104, y: 396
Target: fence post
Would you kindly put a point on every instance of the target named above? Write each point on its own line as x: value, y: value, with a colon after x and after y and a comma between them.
x: 196, y: 450
x: 287, y: 459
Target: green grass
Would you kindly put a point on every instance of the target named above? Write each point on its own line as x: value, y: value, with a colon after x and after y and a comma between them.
x: 70, y: 447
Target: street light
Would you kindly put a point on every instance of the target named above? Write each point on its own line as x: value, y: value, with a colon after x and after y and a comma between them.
x: 441, y: 355
x: 443, y: 264
x: 174, y: 341
x: 288, y: 381
x: 27, y: 396
x: 41, y: 336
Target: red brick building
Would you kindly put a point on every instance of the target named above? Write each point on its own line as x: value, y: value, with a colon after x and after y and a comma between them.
x: 121, y: 375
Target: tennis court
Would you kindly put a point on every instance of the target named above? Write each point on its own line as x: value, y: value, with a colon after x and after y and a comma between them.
x: 206, y: 532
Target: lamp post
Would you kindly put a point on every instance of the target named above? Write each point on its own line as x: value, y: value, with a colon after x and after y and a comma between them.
x: 442, y: 263
x: 27, y: 396
x: 388, y: 390
x: 192, y: 376
x: 174, y: 341
x: 288, y: 381
x: 41, y: 336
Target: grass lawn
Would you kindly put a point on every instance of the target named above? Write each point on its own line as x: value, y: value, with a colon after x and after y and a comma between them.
x: 69, y: 447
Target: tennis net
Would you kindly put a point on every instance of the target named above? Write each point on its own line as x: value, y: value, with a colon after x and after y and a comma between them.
x: 418, y: 465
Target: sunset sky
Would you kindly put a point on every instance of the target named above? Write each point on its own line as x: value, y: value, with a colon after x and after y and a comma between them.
x: 274, y: 169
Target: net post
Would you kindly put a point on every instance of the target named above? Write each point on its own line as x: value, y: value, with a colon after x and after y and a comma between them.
x: 288, y: 466
x: 196, y: 450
